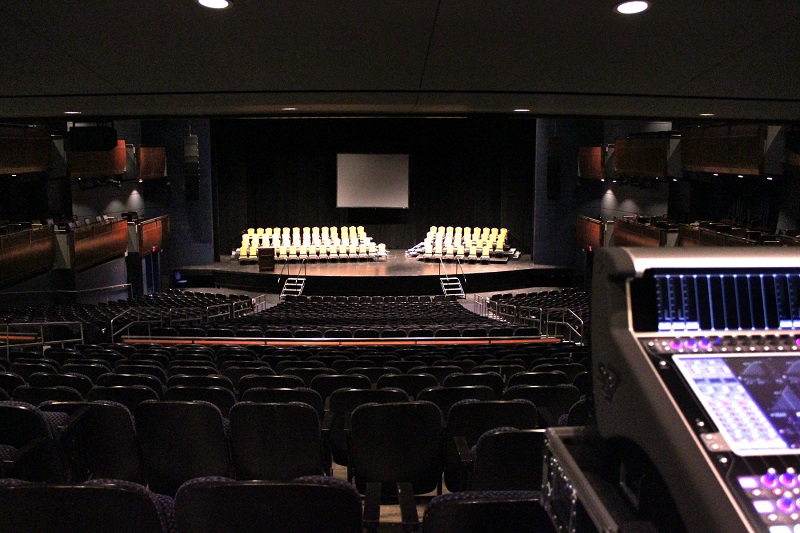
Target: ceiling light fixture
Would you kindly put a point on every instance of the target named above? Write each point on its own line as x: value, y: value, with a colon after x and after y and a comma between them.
x: 522, y: 110
x: 706, y: 114
x: 288, y: 109
x: 215, y: 4
x: 631, y: 8
x: 72, y: 112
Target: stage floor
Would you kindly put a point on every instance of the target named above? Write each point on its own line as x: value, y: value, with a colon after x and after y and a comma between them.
x: 398, y: 275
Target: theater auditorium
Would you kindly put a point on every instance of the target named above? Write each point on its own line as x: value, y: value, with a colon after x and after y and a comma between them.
x: 390, y: 266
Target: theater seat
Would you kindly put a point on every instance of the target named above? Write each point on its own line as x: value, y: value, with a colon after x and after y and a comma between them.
x: 99, y: 506
x: 486, y: 512
x: 310, y: 503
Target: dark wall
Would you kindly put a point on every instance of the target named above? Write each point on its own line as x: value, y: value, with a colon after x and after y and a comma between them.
x: 462, y: 172
x: 191, y: 224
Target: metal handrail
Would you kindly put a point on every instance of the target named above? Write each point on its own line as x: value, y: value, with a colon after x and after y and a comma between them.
x: 564, y: 317
x: 463, y: 274
x: 530, y: 316
x: 15, y: 294
x: 135, y: 313
x: 39, y: 333
x: 284, y: 267
x: 442, y: 268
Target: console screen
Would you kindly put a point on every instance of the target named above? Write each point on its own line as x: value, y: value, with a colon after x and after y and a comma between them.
x: 715, y: 300
x: 753, y: 399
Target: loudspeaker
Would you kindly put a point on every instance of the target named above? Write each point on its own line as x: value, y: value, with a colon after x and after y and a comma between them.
x: 92, y: 139
x: 554, y: 168
x: 191, y: 167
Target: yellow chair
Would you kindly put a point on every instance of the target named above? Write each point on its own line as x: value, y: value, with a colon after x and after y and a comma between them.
x: 251, y: 231
x: 486, y: 253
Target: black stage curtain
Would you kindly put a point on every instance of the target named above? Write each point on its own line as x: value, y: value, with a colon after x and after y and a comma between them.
x: 282, y: 172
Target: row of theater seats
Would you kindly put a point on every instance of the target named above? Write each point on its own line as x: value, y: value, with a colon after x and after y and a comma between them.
x: 450, y: 243
x: 164, y: 307
x: 370, y: 317
x: 552, y: 380
x: 309, y: 503
x: 514, y: 307
x: 332, y: 252
x: 478, y: 419
x: 312, y: 243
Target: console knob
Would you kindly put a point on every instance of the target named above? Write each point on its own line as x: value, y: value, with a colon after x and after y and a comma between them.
x: 676, y: 344
x: 690, y: 344
x: 704, y: 343
x: 770, y: 479
x: 786, y: 503
x: 788, y: 480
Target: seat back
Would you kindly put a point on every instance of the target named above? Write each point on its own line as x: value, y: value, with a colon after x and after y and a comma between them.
x: 223, y: 398
x: 28, y: 444
x: 397, y: 442
x: 327, y: 383
x: 275, y: 441
x: 300, y: 394
x: 508, y: 459
x: 469, y: 419
x: 75, y: 381
x: 36, y: 395
x: 412, y: 384
x: 180, y: 441
x: 492, y: 380
x: 310, y: 503
x: 552, y: 401
x: 128, y: 395
x: 445, y: 397
x: 100, y: 439
x: 101, y: 506
x: 342, y: 402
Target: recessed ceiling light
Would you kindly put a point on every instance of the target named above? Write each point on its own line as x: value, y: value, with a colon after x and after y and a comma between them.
x: 769, y: 178
x: 288, y: 109
x: 72, y: 112
x: 215, y: 4
x: 741, y: 176
x: 522, y: 110
x: 706, y: 114
x: 631, y: 8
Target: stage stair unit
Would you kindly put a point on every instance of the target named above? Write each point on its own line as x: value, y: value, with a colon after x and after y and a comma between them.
x: 451, y: 286
x: 293, y: 287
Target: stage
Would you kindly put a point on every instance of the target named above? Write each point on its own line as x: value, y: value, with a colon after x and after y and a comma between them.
x: 398, y: 275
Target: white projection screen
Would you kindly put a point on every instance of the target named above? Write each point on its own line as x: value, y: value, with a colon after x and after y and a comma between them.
x: 372, y: 180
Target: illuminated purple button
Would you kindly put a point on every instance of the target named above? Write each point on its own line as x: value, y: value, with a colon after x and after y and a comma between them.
x: 770, y: 480
x: 690, y: 344
x: 704, y: 343
x: 786, y: 503
x: 676, y: 344
x: 797, y: 341
x: 788, y: 480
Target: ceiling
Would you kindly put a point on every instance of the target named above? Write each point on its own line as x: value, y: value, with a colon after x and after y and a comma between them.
x: 737, y: 59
